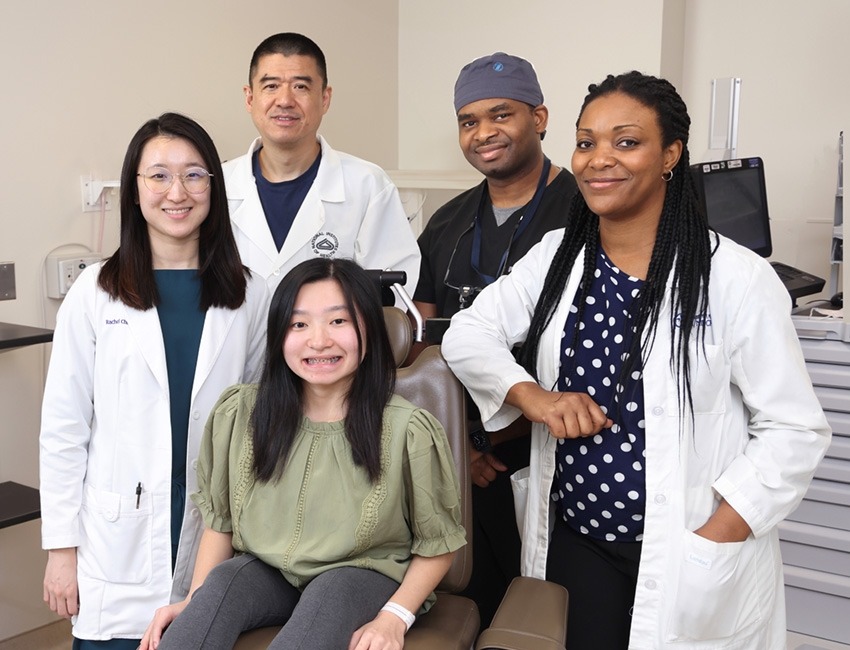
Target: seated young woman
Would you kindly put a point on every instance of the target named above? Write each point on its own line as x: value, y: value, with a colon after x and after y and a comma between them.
x: 331, y: 506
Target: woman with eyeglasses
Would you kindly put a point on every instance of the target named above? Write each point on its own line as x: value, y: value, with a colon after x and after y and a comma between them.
x: 144, y: 345
x: 674, y: 424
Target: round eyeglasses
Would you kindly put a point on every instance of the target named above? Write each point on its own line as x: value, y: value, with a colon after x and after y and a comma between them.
x: 158, y: 180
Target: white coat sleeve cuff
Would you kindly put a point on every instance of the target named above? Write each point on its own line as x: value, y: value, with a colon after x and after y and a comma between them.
x: 730, y: 485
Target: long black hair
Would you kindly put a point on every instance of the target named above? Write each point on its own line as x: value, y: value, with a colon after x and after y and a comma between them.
x: 128, y: 274
x: 277, y: 414
x: 682, y: 246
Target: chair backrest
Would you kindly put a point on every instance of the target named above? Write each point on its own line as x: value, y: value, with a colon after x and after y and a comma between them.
x: 400, y: 331
x: 430, y: 384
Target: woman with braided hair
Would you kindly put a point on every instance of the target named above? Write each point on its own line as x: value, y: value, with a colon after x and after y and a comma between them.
x: 674, y: 424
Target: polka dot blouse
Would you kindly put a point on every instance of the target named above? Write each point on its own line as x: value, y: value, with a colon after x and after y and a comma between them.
x: 599, y: 485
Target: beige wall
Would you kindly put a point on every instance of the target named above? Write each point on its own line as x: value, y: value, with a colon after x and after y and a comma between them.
x: 794, y: 95
x: 570, y: 44
x: 78, y: 78
x: 77, y: 82
x: 795, y: 98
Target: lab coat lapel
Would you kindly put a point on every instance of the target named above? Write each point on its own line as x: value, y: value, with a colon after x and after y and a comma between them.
x: 243, y: 200
x: 217, y: 323
x: 147, y: 333
x: 327, y: 188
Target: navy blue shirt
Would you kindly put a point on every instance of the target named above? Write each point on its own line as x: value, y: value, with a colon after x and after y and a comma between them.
x: 599, y: 485
x: 282, y: 201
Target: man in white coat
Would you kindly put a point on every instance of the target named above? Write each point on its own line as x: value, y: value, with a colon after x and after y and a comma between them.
x: 292, y: 197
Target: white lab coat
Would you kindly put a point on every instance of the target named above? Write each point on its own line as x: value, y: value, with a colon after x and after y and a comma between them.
x: 106, y: 427
x: 352, y: 210
x: 759, y: 433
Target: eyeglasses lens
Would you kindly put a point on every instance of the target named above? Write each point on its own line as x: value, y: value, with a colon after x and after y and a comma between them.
x: 195, y: 180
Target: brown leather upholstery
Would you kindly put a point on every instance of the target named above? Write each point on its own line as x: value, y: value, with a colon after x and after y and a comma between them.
x: 429, y: 384
x: 451, y: 624
x: 258, y: 639
x: 400, y: 332
x: 533, y: 614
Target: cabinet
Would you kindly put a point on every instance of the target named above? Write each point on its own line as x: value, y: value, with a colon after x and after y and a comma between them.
x: 815, y: 539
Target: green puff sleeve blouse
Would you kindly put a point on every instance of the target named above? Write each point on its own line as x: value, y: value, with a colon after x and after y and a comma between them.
x: 324, y: 513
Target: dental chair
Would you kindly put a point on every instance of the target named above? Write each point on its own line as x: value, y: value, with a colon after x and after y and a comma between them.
x: 533, y: 614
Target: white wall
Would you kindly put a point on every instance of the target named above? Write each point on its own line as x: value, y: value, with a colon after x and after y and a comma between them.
x: 78, y: 78
x: 795, y: 97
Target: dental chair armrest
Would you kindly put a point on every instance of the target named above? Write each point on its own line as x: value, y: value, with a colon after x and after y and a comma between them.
x: 532, y: 616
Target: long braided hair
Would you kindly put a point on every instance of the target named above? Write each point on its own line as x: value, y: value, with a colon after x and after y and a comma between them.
x: 682, y: 248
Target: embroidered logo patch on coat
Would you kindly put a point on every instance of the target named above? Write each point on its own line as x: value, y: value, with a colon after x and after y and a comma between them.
x: 325, y: 244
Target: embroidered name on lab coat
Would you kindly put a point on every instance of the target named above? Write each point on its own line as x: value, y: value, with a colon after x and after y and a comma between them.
x: 699, y: 560
x: 698, y: 320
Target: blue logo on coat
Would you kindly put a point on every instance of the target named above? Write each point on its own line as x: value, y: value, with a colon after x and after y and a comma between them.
x: 699, y: 320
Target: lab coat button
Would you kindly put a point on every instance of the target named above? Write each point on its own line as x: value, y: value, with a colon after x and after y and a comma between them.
x: 195, y: 464
x: 657, y: 410
x: 196, y: 415
x: 660, y: 499
x: 195, y: 513
x: 650, y: 584
x: 277, y: 271
x: 110, y: 515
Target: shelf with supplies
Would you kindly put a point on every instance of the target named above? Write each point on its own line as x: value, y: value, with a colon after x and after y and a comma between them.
x: 19, y: 503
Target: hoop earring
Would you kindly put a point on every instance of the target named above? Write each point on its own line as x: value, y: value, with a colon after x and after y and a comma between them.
x: 667, y: 176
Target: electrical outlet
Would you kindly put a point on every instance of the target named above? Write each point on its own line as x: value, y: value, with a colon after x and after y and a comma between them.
x: 63, y: 270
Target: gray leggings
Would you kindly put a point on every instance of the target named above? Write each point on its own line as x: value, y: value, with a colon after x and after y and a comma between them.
x: 244, y: 593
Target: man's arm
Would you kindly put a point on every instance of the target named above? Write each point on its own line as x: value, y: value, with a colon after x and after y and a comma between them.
x: 485, y: 466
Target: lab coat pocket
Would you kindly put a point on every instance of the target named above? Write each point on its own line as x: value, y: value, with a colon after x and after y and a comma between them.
x: 717, y: 594
x: 519, y: 487
x: 116, y: 544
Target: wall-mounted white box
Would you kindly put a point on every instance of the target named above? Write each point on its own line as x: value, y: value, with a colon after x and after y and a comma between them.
x: 62, y: 270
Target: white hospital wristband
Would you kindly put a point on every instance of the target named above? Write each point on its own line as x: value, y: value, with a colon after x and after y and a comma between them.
x: 403, y: 613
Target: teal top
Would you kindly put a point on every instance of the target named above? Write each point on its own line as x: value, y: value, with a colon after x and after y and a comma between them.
x: 324, y: 513
x: 182, y: 323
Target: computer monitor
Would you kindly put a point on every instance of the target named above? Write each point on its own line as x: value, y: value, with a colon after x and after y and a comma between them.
x: 734, y: 196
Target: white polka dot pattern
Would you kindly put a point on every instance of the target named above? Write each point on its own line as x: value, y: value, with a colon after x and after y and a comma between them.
x: 599, y: 482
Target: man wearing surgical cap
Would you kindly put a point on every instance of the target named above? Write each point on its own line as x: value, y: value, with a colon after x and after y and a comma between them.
x: 471, y: 241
